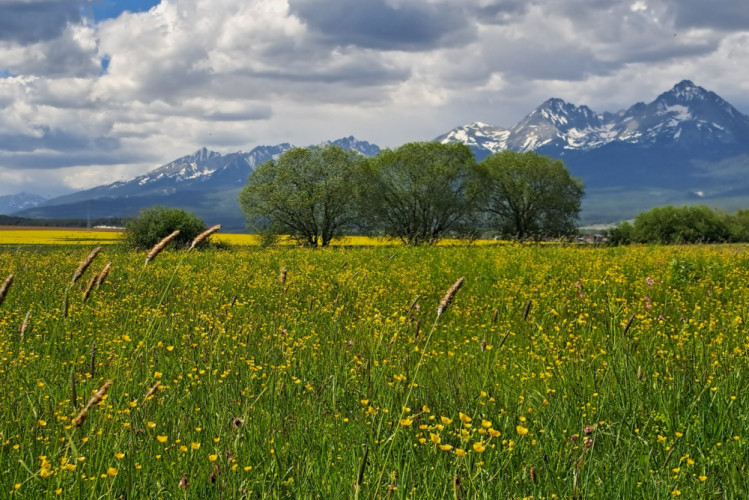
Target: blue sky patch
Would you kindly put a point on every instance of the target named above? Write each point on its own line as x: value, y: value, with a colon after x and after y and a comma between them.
x: 108, y: 9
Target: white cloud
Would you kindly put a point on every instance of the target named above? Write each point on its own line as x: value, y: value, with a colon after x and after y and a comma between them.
x: 233, y: 74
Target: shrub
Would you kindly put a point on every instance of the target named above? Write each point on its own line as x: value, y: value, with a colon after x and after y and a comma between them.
x: 689, y: 224
x: 153, y: 224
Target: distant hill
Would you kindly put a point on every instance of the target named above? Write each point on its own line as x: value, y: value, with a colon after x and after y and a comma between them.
x: 21, y: 201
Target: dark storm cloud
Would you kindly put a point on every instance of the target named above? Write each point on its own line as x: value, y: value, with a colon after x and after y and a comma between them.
x: 61, y: 57
x: 55, y: 140
x: 52, y: 160
x: 536, y: 60
x: 32, y: 22
x: 367, y: 74
x: 718, y: 14
x: 504, y: 12
x: 237, y: 116
x: 376, y: 25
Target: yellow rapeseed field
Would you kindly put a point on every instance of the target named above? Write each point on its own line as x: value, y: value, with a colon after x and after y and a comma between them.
x: 72, y: 236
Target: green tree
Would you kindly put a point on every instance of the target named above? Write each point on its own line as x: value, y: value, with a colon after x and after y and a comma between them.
x: 689, y: 224
x: 739, y: 223
x: 307, y: 193
x: 421, y: 191
x: 154, y: 224
x: 529, y: 195
x: 623, y: 234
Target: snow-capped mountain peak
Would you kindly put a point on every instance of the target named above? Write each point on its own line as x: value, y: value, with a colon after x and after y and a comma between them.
x: 478, y: 136
x: 202, y: 171
x: 20, y: 201
x: 683, y: 117
x: 202, y: 154
x: 686, y: 91
x: 351, y: 143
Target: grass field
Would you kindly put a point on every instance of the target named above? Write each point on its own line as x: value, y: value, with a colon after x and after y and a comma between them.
x: 556, y: 372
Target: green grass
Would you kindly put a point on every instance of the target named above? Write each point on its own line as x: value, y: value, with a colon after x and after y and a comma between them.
x: 279, y: 390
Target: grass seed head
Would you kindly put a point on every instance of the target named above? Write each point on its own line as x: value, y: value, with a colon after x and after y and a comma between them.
x: 95, y: 399
x: 78, y: 420
x: 628, y: 325
x: 205, y: 234
x: 450, y: 295
x: 91, y: 283
x: 103, y: 274
x: 85, y: 263
x: 4, y: 288
x: 152, y: 390
x: 161, y: 245
x: 99, y: 395
x: 25, y: 325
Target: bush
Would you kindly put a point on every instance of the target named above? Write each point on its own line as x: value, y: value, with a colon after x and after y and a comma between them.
x: 154, y: 224
x: 689, y: 224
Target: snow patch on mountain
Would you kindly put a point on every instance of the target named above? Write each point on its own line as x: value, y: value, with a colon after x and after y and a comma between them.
x: 14, y: 202
x: 676, y: 116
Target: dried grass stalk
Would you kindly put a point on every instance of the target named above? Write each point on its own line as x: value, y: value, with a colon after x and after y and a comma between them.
x: 90, y: 287
x: 85, y: 263
x: 628, y: 325
x: 24, y: 326
x: 414, y: 304
x: 92, y: 359
x: 99, y: 395
x: 78, y: 420
x: 152, y: 391
x: 4, y: 287
x: 449, y: 296
x: 161, y: 245
x: 527, y: 310
x: 95, y: 399
x: 73, y: 392
x: 205, y: 234
x: 103, y: 274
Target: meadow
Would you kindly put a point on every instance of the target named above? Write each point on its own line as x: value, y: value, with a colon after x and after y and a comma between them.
x: 553, y: 372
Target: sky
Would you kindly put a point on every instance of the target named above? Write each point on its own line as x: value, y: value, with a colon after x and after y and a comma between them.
x: 94, y: 91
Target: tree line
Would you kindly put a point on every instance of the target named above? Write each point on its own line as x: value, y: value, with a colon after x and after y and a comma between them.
x: 419, y: 193
x: 12, y: 220
x: 688, y: 224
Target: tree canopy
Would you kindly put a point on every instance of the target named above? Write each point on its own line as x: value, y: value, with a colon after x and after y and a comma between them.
x: 529, y: 195
x: 154, y: 224
x: 307, y: 193
x: 420, y: 191
x: 688, y: 224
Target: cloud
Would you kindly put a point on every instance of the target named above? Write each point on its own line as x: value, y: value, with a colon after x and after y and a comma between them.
x: 72, y: 53
x: 100, y: 100
x: 376, y: 24
x: 28, y: 22
x: 729, y: 15
x: 503, y: 12
x: 55, y: 140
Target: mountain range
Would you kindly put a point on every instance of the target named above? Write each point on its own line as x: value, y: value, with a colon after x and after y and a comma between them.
x: 14, y: 202
x: 688, y: 145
